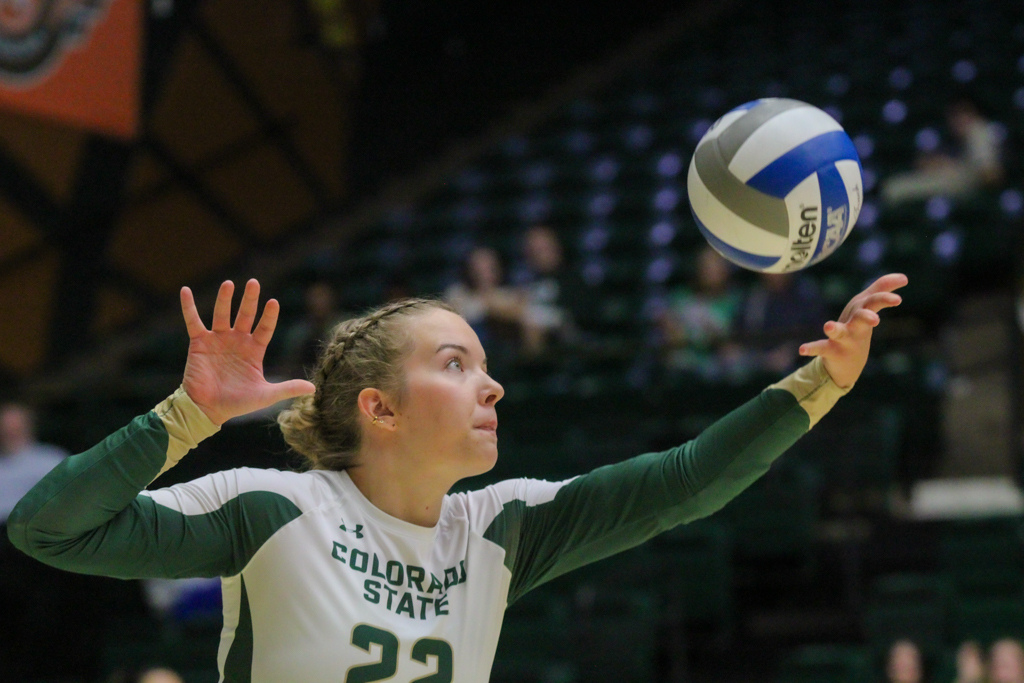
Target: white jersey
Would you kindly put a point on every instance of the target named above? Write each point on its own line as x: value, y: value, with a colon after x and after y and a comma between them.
x: 320, y: 586
x: 342, y: 586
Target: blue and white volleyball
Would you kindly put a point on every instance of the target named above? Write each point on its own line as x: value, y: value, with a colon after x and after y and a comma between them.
x: 775, y: 185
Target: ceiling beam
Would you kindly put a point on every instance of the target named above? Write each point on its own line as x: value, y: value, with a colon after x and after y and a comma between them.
x: 82, y: 240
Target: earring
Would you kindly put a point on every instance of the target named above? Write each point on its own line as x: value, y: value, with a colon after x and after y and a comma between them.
x: 375, y: 419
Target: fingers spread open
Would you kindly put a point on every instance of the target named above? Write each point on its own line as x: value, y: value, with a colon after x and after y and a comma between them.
x: 834, y: 330
x: 293, y: 388
x: 866, y: 317
x: 247, y: 308
x: 193, y: 323
x: 268, y: 322
x: 887, y: 283
x: 814, y: 348
x: 222, y: 309
x: 879, y: 300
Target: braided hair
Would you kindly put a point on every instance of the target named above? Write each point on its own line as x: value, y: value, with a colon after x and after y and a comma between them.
x: 324, y: 427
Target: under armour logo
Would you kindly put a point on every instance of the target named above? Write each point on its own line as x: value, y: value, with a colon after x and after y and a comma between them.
x: 358, y: 531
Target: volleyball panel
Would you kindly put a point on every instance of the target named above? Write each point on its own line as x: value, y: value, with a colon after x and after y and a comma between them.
x: 738, y: 240
x: 781, y: 137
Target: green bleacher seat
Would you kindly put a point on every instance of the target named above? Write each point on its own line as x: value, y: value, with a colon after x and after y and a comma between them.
x: 696, y: 566
x: 774, y: 519
x: 534, y: 671
x: 984, y: 558
x: 827, y: 664
x: 988, y: 619
x: 200, y: 675
x: 856, y: 449
x: 615, y: 635
x: 605, y: 632
x: 909, y: 606
x: 942, y: 667
x: 537, y: 627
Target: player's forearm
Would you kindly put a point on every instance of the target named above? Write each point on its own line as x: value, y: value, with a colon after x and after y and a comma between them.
x: 739, y: 448
x: 65, y: 514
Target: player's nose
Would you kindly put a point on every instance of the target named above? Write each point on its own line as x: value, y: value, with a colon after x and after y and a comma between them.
x: 491, y: 392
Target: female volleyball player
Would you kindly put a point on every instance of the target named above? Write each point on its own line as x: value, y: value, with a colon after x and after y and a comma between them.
x: 364, y: 568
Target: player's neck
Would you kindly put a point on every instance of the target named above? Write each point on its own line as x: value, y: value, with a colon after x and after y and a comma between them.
x: 401, y: 490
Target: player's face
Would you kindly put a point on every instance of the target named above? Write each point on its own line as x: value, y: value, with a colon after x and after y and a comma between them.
x: 447, y: 404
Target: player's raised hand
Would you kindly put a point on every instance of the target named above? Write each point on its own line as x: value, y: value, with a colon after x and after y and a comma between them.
x: 224, y: 370
x: 845, y: 351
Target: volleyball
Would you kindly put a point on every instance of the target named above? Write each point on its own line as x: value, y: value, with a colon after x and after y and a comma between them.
x: 775, y: 185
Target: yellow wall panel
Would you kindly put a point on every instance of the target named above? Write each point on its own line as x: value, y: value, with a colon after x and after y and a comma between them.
x: 16, y: 233
x: 49, y: 151
x: 171, y: 241
x: 145, y: 174
x: 321, y: 129
x: 264, y: 190
x: 25, y: 310
x: 199, y: 112
x: 114, y: 310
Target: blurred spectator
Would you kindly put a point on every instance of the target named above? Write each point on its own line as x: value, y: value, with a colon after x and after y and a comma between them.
x: 149, y: 674
x: 1006, y: 662
x: 494, y: 311
x: 970, y: 663
x: 23, y: 460
x: 961, y: 172
x: 555, y: 294
x: 779, y: 313
x: 303, y: 339
x: 182, y: 601
x: 904, y: 664
x: 698, y: 323
x: 159, y: 675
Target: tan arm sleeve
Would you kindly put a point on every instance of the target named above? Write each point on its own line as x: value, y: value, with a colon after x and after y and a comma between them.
x: 813, y: 388
x: 186, y: 426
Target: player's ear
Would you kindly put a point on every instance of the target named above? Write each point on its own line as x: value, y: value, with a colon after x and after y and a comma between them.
x: 374, y: 405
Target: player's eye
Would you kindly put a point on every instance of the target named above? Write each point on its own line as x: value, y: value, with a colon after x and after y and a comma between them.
x: 457, y: 362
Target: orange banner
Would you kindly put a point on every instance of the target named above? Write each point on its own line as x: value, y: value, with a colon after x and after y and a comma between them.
x: 76, y: 61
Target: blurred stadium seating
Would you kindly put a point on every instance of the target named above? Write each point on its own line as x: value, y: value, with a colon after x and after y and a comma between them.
x: 608, y: 174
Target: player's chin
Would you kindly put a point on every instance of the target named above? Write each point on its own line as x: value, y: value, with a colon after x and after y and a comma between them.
x: 484, y: 458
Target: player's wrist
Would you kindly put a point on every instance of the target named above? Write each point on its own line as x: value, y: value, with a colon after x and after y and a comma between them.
x: 213, y: 415
x: 840, y: 372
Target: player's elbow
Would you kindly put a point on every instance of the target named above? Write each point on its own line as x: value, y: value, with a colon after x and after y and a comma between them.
x: 21, y: 532
x: 17, y: 530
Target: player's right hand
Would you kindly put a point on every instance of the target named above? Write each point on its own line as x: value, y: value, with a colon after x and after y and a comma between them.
x: 224, y: 370
x: 845, y: 349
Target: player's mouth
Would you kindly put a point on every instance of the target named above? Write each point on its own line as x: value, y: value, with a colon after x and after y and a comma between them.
x: 489, y: 426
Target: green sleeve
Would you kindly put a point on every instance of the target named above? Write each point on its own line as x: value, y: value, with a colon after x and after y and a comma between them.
x: 87, y: 514
x: 619, y: 506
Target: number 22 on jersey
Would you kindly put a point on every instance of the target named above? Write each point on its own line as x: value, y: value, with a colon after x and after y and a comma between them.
x: 364, y: 635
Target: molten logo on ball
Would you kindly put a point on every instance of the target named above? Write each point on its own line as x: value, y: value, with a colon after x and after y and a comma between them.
x: 800, y: 250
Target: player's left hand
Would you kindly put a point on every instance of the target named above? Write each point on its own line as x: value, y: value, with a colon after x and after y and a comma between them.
x: 845, y: 352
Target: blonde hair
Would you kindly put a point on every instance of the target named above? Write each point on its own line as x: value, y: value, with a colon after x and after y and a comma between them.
x: 324, y: 427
